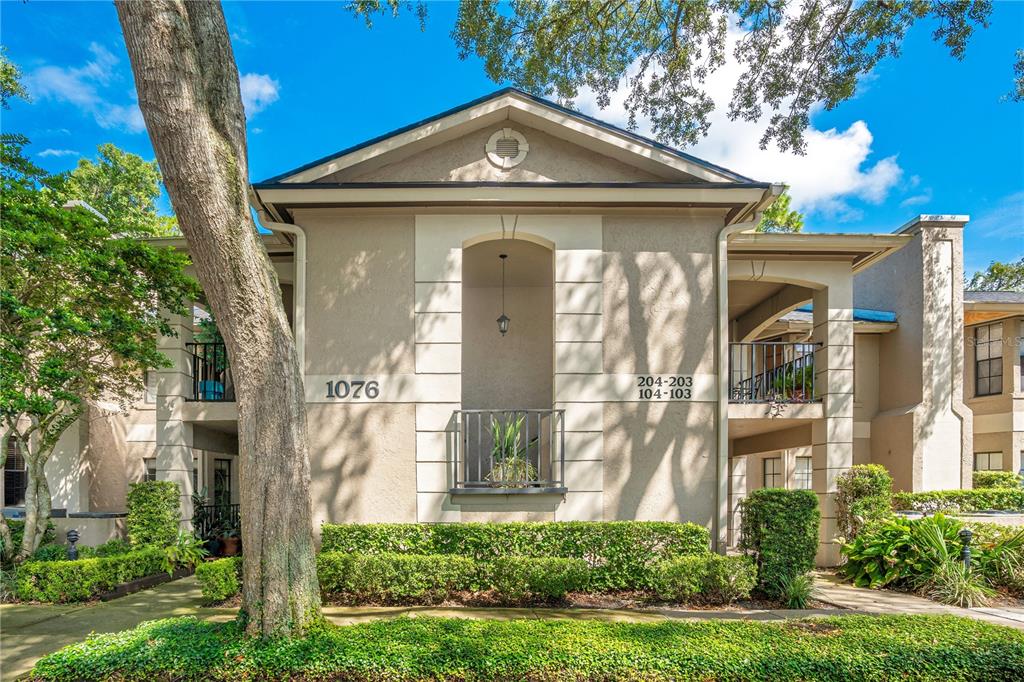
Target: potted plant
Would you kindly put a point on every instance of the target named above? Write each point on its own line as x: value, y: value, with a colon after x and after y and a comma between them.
x: 511, y: 467
x: 232, y: 542
x: 795, y: 384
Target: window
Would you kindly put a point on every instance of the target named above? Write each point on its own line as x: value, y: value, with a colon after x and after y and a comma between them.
x: 773, y: 472
x: 150, y: 474
x: 988, y: 461
x: 803, y: 475
x: 15, y: 475
x: 149, y: 392
x: 988, y: 359
x: 222, y: 481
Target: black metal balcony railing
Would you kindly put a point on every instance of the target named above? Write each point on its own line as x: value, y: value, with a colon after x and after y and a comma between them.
x: 765, y: 372
x: 211, y: 372
x: 214, y: 520
x: 508, y: 450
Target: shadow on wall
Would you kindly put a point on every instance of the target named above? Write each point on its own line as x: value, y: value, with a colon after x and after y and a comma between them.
x: 660, y: 318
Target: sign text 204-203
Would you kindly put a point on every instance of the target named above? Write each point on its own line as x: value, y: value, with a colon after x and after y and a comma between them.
x: 664, y: 387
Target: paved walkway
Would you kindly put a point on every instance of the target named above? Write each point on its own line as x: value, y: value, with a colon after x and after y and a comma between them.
x: 831, y: 590
x: 28, y: 632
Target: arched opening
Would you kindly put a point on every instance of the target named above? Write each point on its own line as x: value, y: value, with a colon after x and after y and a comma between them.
x: 514, y: 371
x: 510, y: 438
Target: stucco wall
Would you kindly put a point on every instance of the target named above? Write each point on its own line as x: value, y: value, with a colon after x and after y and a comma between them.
x: 514, y: 371
x: 464, y: 159
x: 660, y: 316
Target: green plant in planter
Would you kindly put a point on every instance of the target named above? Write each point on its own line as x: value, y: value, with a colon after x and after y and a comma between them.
x: 795, y: 383
x: 512, y: 467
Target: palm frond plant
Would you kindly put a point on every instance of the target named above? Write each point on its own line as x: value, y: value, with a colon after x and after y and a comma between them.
x: 511, y: 466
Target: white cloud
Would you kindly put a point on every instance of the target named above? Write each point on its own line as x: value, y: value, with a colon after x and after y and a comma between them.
x: 1003, y: 220
x: 835, y: 168
x: 258, y: 92
x: 77, y: 86
x: 917, y: 199
x: 58, y: 152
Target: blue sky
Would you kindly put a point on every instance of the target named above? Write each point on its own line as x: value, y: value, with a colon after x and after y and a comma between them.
x: 925, y: 134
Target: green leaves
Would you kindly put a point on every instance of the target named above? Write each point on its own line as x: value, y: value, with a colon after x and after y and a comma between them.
x: 83, y: 579
x: 792, y: 56
x: 154, y: 513
x: 1004, y: 499
x: 710, y: 579
x: 780, y: 529
x: 925, y: 648
x: 621, y: 554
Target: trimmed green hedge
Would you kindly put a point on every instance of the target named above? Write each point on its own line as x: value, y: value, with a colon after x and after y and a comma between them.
x: 84, y: 579
x: 417, y: 579
x: 516, y: 578
x: 712, y: 579
x: 154, y: 513
x: 622, y: 555
x: 840, y: 649
x: 865, y: 495
x: 997, y: 479
x: 394, y: 578
x: 780, y: 529
x: 965, y: 501
x: 220, y: 579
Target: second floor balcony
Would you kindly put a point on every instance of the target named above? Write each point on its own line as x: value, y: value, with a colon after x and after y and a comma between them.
x: 211, y: 372
x: 772, y: 372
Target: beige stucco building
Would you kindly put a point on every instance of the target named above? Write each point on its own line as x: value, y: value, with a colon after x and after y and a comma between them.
x: 661, y: 359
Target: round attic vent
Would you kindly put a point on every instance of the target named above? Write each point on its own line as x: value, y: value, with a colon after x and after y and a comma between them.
x: 507, y: 148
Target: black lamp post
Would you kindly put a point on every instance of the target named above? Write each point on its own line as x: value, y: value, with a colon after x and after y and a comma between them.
x: 72, y: 536
x: 965, y: 551
x: 504, y: 319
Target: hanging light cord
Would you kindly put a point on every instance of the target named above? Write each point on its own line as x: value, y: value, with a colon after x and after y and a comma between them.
x: 503, y: 257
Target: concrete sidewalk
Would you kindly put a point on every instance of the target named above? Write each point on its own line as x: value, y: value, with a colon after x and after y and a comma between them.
x: 831, y: 589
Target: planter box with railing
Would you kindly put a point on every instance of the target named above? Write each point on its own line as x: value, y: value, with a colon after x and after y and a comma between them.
x: 772, y: 372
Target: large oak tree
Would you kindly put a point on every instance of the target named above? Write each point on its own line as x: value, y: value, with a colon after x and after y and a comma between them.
x: 188, y: 87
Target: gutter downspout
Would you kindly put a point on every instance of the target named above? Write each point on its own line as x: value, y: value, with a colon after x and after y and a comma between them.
x: 753, y: 217
x: 300, y: 275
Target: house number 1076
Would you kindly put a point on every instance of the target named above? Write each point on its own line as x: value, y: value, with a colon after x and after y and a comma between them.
x: 355, y: 389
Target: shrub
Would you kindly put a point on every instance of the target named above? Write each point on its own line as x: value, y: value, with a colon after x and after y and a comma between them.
x: 997, y: 479
x: 780, y: 529
x: 50, y: 553
x: 838, y: 649
x: 865, y: 495
x: 187, y: 550
x: 711, y: 579
x: 395, y: 578
x: 17, y: 528
x: 965, y: 501
x: 219, y: 580
x: 114, y: 547
x: 622, y: 555
x: 795, y: 591
x: 517, y: 579
x: 953, y: 583
x: 154, y: 513
x: 901, y: 551
x: 68, y: 581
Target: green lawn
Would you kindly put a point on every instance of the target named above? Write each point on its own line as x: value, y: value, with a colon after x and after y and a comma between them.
x: 845, y: 648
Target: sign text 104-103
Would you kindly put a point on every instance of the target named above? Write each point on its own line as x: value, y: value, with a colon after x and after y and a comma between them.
x: 354, y: 389
x: 664, y: 387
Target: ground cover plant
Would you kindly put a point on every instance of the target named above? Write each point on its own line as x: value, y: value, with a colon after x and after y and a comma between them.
x: 842, y: 648
x: 923, y: 555
x: 622, y: 555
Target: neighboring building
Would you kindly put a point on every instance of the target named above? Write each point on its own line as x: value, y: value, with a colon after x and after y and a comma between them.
x: 663, y: 358
x: 994, y: 377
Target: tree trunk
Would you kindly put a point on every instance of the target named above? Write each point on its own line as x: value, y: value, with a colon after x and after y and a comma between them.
x: 37, y: 502
x: 189, y: 94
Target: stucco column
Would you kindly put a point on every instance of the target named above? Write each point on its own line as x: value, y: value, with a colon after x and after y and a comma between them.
x: 737, y: 491
x: 173, y: 435
x: 832, y: 436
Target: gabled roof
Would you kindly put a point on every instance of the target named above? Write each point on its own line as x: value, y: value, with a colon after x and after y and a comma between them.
x: 502, y: 105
